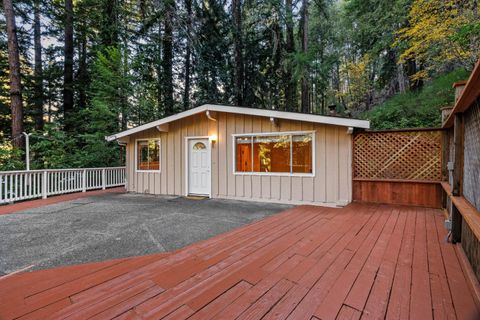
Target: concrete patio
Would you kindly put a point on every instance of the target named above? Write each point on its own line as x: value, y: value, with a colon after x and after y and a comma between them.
x: 115, y: 225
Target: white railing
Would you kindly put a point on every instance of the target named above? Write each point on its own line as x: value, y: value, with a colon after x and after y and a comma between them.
x: 23, y: 185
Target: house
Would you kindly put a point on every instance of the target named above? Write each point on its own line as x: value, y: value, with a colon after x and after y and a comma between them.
x: 243, y: 153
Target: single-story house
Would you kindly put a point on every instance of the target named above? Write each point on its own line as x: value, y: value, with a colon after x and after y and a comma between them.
x: 243, y: 153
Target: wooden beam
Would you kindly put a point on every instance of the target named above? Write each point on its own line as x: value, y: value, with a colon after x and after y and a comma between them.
x: 458, y: 137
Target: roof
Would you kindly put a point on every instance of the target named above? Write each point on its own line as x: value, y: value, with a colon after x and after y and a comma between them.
x: 332, y: 120
x: 470, y: 93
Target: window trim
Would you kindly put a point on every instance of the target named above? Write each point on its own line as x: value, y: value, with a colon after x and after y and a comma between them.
x: 159, y: 156
x: 270, y: 134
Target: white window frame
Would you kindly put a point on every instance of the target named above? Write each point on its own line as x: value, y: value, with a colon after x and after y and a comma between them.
x: 270, y: 134
x: 159, y: 156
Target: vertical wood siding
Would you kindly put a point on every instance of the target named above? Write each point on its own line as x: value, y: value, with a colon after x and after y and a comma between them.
x: 331, y: 184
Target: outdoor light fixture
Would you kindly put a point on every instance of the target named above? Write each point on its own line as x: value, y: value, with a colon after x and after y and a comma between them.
x: 213, y: 138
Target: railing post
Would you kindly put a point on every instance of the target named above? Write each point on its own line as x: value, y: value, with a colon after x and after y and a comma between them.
x: 104, y: 182
x: 44, y: 184
x: 84, y: 180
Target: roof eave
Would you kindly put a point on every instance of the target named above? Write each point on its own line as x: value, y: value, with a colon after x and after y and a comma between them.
x: 328, y: 120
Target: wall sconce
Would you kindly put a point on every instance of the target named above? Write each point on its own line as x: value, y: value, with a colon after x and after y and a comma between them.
x: 213, y: 139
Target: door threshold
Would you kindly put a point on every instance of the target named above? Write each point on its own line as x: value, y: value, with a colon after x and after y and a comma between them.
x: 196, y: 197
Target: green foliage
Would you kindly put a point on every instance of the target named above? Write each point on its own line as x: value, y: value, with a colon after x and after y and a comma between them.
x: 96, y: 151
x: 52, y: 148
x: 122, y: 72
x: 10, y: 158
x: 109, y: 90
x: 416, y: 109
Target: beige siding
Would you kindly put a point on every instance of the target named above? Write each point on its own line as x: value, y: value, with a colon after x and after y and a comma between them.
x: 330, y: 185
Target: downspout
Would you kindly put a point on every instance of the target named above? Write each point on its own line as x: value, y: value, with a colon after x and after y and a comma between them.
x: 209, y: 116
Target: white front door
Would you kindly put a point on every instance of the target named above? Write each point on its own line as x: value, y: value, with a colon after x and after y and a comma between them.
x: 198, y: 167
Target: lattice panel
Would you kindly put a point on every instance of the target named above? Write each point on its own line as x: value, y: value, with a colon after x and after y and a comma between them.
x: 405, y: 155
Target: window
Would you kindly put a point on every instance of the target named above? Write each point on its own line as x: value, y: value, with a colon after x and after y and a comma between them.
x: 286, y: 153
x: 148, y: 155
x: 199, y: 146
x: 302, y: 153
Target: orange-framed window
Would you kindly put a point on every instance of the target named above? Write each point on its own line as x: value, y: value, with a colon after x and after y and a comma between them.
x: 290, y: 153
x: 243, y: 154
x: 148, y: 155
x: 302, y: 153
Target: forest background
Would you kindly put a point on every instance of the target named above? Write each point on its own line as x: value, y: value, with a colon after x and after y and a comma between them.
x: 74, y: 71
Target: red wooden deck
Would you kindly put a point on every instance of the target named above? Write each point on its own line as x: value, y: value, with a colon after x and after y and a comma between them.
x: 363, y: 261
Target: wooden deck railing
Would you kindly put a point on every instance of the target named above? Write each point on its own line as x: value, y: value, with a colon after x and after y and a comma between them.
x: 24, y: 185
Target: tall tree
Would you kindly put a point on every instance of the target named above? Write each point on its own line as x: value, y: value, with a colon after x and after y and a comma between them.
x: 167, y: 62
x: 38, y: 69
x: 291, y: 86
x: 68, y: 100
x: 14, y: 69
x: 238, y: 51
x: 188, y: 54
x: 305, y: 94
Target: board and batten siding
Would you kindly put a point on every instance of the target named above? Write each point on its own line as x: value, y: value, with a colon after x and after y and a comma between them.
x: 331, y: 185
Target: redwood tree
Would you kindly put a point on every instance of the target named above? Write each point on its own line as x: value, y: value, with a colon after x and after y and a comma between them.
x: 68, y: 65
x: 38, y: 70
x: 305, y: 95
x: 188, y: 54
x: 290, y: 89
x: 14, y: 69
x: 238, y: 54
x: 167, y: 62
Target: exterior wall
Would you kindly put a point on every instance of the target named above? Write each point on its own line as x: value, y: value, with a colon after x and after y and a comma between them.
x: 332, y: 183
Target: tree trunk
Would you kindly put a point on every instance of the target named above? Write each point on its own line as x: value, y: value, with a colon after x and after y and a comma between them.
x: 186, y: 92
x: 277, y: 59
x: 411, y: 69
x: 158, y: 67
x: 109, y: 34
x: 238, y: 52
x: 305, y: 98
x: 38, y: 72
x: 14, y: 68
x: 290, y: 87
x: 68, y: 65
x: 83, y: 78
x: 167, y: 62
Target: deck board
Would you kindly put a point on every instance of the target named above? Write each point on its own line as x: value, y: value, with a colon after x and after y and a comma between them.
x: 363, y: 261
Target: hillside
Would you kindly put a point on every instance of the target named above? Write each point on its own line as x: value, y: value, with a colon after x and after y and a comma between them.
x: 416, y: 109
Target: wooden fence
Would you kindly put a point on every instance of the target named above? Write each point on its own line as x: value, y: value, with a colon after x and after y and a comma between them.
x: 399, y: 167
x: 24, y: 185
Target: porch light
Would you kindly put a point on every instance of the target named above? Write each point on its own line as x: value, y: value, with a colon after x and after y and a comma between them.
x: 213, y: 138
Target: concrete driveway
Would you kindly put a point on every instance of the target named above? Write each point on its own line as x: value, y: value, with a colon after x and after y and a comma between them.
x: 116, y: 226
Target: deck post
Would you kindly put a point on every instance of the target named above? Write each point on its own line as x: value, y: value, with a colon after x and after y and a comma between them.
x: 458, y: 156
x: 44, y: 184
x: 104, y: 182
x: 84, y: 180
x: 457, y: 183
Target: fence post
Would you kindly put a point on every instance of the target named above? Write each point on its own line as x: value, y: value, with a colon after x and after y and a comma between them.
x: 104, y: 182
x: 84, y: 180
x: 44, y: 184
